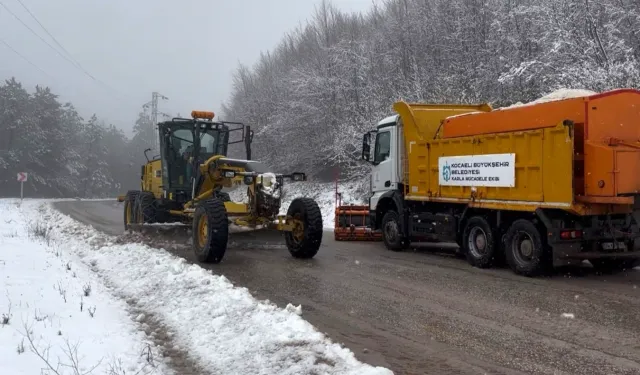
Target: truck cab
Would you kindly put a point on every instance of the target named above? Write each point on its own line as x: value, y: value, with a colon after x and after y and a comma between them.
x: 386, y: 174
x: 382, y: 148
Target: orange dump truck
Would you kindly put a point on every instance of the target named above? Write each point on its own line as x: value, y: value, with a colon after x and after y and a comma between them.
x: 541, y: 184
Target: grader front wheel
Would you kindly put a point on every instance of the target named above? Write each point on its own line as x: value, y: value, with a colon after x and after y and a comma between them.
x: 306, y: 237
x: 210, y: 231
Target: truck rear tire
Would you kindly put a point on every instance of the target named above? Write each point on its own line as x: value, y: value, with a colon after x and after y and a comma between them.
x: 210, y: 231
x: 478, y: 243
x: 304, y: 243
x: 525, y: 250
x: 392, y: 232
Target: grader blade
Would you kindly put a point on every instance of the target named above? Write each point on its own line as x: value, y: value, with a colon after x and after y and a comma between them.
x: 261, y: 238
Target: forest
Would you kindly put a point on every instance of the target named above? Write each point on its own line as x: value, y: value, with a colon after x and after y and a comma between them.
x: 332, y: 79
x: 64, y: 154
x: 311, y: 97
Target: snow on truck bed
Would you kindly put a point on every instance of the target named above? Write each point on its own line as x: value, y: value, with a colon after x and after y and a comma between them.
x: 223, y: 328
x: 560, y: 94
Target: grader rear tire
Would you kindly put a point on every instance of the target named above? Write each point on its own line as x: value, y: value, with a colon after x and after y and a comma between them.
x: 210, y: 231
x: 146, y: 208
x: 130, y: 208
x: 304, y: 242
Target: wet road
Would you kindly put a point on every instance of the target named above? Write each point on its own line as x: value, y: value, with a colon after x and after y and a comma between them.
x: 428, y: 312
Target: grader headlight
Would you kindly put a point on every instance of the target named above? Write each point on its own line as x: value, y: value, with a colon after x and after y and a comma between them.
x: 298, y: 176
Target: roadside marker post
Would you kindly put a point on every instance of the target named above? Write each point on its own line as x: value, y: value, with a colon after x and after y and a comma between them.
x: 22, y: 178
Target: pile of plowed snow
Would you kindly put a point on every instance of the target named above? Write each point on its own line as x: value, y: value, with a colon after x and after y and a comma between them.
x: 221, y: 327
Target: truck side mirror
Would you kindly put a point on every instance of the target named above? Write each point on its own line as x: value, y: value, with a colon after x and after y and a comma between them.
x: 366, y: 146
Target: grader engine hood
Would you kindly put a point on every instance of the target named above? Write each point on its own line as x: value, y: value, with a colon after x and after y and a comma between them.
x: 246, y: 165
x: 269, y: 185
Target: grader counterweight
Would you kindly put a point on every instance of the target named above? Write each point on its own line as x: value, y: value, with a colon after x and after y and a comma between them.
x: 184, y: 184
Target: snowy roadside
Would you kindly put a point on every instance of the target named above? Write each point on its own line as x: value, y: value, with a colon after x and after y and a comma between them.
x: 56, y: 316
x: 221, y: 328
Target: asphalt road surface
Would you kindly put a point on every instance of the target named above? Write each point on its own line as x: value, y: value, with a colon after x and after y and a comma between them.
x: 427, y: 311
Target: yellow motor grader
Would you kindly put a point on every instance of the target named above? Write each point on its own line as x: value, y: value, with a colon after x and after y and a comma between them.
x: 184, y: 184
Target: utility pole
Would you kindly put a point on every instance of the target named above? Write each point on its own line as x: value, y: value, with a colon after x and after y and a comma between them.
x: 154, y: 115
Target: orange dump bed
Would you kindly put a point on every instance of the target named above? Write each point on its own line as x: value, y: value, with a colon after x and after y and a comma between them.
x: 606, y: 136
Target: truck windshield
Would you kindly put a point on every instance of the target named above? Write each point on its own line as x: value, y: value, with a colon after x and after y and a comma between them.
x: 383, y: 147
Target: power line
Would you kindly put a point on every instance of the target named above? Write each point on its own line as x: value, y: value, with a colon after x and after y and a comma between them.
x: 48, y: 33
x: 24, y: 58
x: 75, y: 64
x: 6, y: 44
x: 34, y: 33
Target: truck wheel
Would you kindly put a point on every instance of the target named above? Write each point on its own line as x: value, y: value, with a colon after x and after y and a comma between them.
x: 525, y: 250
x: 478, y: 243
x: 146, y: 208
x: 392, y: 232
x: 612, y: 265
x: 130, y: 208
x: 210, y: 231
x: 305, y: 239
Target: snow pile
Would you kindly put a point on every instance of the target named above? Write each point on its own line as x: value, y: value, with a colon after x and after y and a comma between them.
x: 323, y: 193
x: 57, y: 314
x: 560, y: 94
x: 221, y: 327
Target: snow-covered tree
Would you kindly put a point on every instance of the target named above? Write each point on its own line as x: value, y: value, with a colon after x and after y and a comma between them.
x: 328, y: 81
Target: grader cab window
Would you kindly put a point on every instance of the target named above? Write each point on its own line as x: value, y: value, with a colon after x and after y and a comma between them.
x: 185, y: 152
x: 180, y: 150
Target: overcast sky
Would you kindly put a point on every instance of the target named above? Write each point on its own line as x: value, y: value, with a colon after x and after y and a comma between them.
x: 186, y: 50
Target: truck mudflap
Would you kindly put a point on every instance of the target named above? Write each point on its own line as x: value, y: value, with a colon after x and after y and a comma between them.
x: 604, y: 238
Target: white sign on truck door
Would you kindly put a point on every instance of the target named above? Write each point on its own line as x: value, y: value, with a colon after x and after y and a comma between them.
x: 493, y: 170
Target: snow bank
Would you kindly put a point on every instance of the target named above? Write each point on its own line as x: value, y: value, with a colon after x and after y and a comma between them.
x: 53, y: 306
x: 222, y: 327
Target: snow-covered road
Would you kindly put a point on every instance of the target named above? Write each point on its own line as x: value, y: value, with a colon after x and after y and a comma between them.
x: 174, y: 312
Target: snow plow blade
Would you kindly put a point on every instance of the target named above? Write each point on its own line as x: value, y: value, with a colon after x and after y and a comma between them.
x: 352, y: 223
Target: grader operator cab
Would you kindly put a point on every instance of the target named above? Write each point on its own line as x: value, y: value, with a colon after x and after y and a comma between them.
x: 184, y: 184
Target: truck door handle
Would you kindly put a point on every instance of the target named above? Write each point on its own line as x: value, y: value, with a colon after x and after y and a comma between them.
x: 387, y: 183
